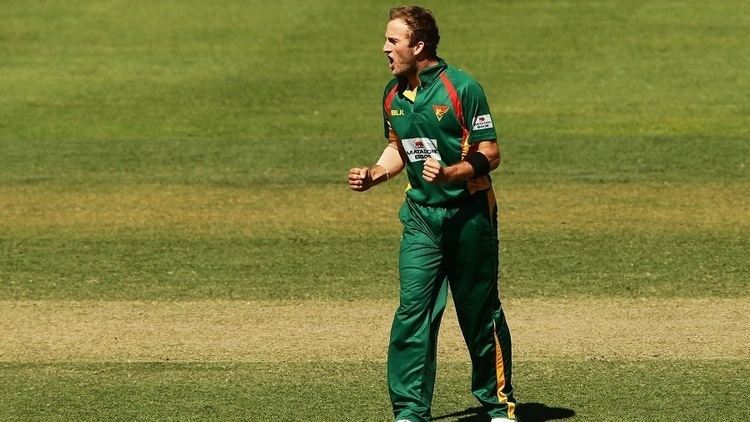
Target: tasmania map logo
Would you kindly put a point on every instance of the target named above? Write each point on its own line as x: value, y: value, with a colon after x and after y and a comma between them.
x: 440, y: 111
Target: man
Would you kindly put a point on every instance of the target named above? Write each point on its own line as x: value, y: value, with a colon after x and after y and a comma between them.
x: 438, y: 125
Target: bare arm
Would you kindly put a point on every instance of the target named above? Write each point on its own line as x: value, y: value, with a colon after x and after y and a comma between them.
x: 389, y: 165
x: 462, y: 170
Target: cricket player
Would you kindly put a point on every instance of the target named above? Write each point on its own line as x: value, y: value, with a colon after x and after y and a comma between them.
x: 439, y: 128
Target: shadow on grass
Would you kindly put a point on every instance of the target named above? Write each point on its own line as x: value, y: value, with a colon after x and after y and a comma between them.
x: 527, y: 412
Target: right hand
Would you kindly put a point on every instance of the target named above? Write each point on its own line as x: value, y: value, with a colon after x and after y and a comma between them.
x: 360, y: 179
x: 432, y: 171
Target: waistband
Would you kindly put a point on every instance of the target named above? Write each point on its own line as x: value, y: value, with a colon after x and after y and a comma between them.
x: 455, y: 203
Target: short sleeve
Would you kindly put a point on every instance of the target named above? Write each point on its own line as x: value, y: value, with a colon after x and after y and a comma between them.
x: 388, y: 132
x: 386, y: 125
x: 477, y: 116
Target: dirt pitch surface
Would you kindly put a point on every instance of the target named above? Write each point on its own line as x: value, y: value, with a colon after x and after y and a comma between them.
x: 238, y: 331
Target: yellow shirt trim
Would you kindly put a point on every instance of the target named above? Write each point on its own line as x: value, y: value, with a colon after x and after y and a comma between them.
x: 411, y: 95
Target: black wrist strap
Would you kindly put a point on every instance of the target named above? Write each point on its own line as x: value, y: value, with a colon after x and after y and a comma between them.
x: 479, y: 162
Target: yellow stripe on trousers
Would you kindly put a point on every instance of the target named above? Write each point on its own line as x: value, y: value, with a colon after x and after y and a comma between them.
x: 500, y: 372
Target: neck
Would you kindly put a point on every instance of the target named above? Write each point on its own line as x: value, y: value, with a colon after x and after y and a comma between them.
x: 413, y: 77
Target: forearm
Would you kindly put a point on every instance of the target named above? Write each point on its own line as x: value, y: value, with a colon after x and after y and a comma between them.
x: 389, y: 165
x: 459, y: 172
x: 463, y: 170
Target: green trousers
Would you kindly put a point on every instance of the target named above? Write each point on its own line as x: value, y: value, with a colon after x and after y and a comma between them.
x: 457, y: 246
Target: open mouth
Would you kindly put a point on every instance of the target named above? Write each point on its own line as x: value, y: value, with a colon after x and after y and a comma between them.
x: 390, y: 61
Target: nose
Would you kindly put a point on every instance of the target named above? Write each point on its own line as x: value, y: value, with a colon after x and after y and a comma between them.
x: 386, y: 47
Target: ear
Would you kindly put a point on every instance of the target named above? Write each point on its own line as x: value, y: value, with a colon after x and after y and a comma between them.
x: 418, y: 47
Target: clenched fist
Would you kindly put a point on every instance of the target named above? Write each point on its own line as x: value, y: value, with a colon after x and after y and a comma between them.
x: 432, y: 171
x: 360, y: 179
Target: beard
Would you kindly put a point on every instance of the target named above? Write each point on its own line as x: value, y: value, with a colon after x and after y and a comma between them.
x: 403, y: 65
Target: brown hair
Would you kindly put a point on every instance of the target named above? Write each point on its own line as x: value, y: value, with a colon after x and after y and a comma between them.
x: 422, y: 25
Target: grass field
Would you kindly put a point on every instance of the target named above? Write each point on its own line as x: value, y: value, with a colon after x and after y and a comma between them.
x: 177, y: 241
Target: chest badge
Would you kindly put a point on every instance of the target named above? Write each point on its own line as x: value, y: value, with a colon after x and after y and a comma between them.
x: 440, y: 111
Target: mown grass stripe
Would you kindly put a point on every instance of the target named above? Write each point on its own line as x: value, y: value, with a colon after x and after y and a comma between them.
x: 613, y: 390
x: 167, y: 266
x: 264, y: 211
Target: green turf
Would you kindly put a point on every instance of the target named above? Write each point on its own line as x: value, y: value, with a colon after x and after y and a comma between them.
x: 112, y: 101
x: 586, y: 390
x: 175, y: 70
x: 108, y: 96
x: 247, y: 163
x: 533, y: 265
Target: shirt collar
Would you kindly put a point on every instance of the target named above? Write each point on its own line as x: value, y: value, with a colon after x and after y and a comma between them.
x: 429, y: 74
x: 426, y: 75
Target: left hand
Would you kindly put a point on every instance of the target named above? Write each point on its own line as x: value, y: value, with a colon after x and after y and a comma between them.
x: 432, y: 171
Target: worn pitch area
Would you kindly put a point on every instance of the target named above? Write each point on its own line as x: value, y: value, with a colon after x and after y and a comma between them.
x: 299, y: 331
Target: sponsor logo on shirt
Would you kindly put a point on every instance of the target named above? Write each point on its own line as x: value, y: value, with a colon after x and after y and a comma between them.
x: 440, y: 111
x: 419, y: 149
x: 482, y: 122
x: 397, y: 112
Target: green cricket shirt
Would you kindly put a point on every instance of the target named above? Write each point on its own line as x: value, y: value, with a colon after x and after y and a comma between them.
x: 446, y: 118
